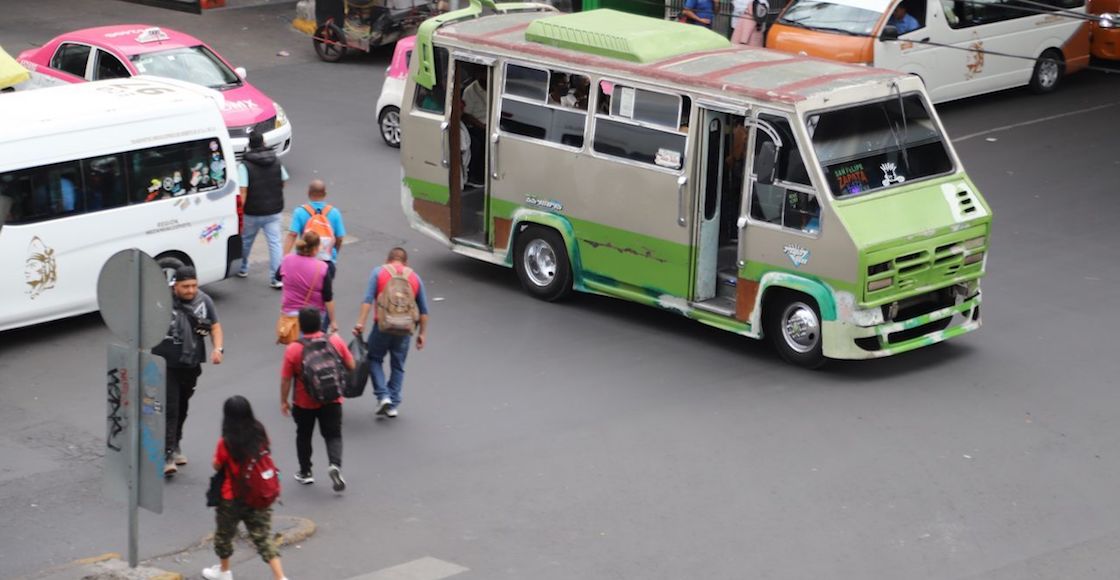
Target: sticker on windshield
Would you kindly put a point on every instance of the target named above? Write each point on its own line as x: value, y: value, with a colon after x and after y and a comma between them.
x: 851, y: 179
x: 890, y: 174
x: 668, y: 158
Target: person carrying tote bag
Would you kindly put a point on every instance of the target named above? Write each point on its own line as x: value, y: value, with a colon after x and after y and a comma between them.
x: 306, y: 283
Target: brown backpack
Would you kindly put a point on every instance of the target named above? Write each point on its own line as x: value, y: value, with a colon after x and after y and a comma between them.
x: 397, y: 312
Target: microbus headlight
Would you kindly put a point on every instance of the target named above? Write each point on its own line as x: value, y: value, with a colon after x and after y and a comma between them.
x: 1109, y: 20
x: 875, y: 285
x: 281, y: 116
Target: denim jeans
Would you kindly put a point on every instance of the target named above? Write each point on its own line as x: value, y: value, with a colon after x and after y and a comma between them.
x: 397, y: 347
x: 271, y: 226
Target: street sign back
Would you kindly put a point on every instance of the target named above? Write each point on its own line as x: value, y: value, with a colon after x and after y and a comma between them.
x: 146, y: 388
x: 134, y: 298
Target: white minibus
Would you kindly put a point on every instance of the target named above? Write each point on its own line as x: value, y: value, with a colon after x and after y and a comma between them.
x: 87, y: 170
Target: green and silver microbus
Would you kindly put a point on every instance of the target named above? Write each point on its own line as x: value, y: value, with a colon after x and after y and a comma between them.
x: 814, y: 203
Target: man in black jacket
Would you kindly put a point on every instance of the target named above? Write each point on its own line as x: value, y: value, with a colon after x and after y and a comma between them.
x: 261, y: 177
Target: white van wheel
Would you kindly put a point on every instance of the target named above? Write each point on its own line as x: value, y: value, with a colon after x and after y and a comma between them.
x: 1048, y: 71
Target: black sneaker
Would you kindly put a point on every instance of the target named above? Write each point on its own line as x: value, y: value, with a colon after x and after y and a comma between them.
x: 304, y: 477
x: 336, y: 478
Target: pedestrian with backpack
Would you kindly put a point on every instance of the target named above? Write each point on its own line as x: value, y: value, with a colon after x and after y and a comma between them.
x: 251, y: 485
x: 401, y: 310
x: 306, y: 283
x: 322, y: 218
x: 317, y: 366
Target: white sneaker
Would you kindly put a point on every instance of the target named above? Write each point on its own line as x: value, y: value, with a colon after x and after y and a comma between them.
x: 336, y: 479
x: 215, y: 573
x: 392, y: 412
x: 384, y: 406
x: 169, y: 468
x: 180, y: 458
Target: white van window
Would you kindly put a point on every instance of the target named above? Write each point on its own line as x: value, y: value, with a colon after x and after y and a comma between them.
x: 545, y: 104
x: 877, y: 145
x: 968, y: 13
x: 641, y: 125
x: 908, y: 16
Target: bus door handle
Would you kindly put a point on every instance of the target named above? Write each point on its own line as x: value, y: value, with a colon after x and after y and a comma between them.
x: 494, y: 138
x: 682, y: 197
x: 741, y: 224
x: 443, y: 142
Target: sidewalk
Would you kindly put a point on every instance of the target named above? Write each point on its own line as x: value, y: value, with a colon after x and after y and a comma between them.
x: 188, y: 563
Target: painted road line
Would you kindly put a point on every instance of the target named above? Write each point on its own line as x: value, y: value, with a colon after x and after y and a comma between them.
x: 426, y: 568
x: 1032, y: 122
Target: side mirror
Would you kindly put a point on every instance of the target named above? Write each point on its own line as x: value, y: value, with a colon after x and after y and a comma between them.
x: 241, y: 72
x: 765, y: 163
x: 890, y: 32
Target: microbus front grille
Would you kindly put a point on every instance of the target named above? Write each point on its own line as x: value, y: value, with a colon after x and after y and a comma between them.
x: 936, y: 262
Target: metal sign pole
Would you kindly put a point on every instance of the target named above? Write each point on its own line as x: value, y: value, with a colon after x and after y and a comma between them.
x: 134, y: 396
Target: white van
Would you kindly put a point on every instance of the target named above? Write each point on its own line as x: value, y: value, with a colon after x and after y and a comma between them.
x: 960, y: 48
x: 89, y: 169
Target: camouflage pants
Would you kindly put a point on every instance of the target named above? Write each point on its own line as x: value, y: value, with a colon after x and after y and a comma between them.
x: 257, y: 522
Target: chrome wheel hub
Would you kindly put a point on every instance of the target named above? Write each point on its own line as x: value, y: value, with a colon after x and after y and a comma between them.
x: 540, y: 263
x: 391, y: 127
x: 801, y: 328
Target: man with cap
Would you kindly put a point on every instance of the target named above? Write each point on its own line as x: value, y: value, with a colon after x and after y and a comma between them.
x: 261, y: 177
x: 193, y: 318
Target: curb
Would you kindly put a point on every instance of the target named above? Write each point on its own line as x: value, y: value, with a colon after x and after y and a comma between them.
x: 109, y: 566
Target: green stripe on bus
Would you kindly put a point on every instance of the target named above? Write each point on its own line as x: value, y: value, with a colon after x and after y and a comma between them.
x: 428, y: 191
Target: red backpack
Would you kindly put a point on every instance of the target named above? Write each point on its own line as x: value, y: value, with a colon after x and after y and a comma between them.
x: 258, y: 482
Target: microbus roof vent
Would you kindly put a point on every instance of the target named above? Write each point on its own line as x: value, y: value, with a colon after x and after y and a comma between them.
x: 624, y: 36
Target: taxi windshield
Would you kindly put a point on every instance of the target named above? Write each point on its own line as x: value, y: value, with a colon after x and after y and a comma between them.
x: 843, y: 16
x: 878, y: 145
x: 195, y: 64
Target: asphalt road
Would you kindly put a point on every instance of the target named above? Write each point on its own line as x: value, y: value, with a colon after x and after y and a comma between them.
x: 600, y: 439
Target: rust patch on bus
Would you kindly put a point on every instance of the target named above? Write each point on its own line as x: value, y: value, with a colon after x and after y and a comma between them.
x: 645, y: 253
x: 438, y: 215
x: 745, y: 293
x: 501, y: 232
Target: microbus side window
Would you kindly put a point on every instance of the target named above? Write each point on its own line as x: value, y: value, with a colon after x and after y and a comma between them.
x: 545, y: 104
x: 786, y: 198
x: 641, y: 125
x: 432, y: 100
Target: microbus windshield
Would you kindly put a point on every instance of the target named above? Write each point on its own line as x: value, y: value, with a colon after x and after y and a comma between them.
x: 194, y: 65
x: 877, y: 145
x: 855, y: 17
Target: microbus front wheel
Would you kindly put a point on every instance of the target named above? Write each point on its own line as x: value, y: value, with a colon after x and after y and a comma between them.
x: 792, y: 321
x: 1048, y: 71
x: 541, y: 261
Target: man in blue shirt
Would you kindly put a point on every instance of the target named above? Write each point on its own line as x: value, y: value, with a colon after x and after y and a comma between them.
x: 699, y: 12
x: 902, y: 21
x: 317, y: 198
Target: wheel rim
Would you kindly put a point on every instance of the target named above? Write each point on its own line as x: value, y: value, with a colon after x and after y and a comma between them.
x: 540, y: 263
x: 329, y: 49
x: 1048, y: 71
x: 801, y: 328
x: 391, y: 127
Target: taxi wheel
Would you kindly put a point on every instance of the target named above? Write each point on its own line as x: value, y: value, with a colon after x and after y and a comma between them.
x: 329, y: 44
x: 1048, y: 70
x: 792, y: 322
x: 390, y: 123
x: 541, y: 261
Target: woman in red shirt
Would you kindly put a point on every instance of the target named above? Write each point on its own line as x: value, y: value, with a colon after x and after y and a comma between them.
x: 243, y: 439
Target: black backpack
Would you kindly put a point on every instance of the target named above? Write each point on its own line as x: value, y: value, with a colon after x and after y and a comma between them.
x: 324, y: 375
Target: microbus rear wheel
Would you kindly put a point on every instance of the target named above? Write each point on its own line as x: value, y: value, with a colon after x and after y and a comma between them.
x: 390, y: 123
x: 1048, y: 71
x: 329, y: 44
x: 792, y: 321
x: 541, y: 261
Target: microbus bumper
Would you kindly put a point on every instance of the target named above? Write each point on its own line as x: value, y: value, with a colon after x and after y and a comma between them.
x: 849, y: 340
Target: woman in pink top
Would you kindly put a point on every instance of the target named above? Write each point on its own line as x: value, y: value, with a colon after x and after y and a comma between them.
x: 306, y: 281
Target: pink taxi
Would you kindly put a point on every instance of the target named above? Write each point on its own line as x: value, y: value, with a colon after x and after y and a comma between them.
x: 110, y: 52
x: 392, y: 91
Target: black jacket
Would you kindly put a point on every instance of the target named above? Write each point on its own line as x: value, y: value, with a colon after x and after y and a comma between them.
x: 266, y: 187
